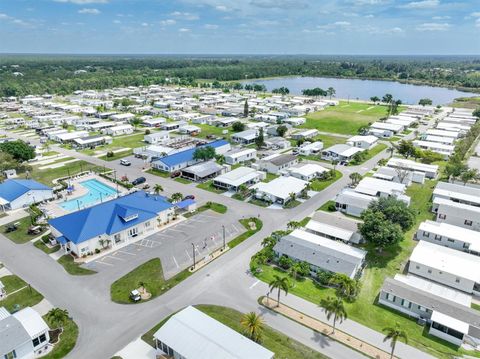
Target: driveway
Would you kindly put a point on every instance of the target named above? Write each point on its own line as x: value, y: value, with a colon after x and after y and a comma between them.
x: 173, y: 245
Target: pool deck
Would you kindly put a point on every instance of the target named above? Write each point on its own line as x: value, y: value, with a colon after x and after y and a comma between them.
x: 54, y: 209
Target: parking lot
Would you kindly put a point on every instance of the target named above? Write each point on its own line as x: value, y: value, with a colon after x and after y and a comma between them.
x: 174, y: 244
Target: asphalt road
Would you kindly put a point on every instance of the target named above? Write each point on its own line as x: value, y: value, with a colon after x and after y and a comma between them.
x: 107, y: 327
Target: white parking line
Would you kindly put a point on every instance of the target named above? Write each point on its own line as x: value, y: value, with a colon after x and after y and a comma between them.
x: 112, y: 257
x: 188, y: 255
x: 107, y: 264
x: 132, y: 254
x: 175, y: 262
x: 254, y: 284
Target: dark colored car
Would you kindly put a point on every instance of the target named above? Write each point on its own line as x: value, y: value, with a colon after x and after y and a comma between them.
x: 190, y: 196
x: 139, y: 180
x: 175, y: 174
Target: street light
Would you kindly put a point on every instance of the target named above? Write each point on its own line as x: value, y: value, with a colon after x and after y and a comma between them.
x: 193, y: 247
x: 223, y: 228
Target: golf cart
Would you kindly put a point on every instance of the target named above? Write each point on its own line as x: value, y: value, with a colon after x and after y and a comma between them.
x: 12, y: 227
x: 135, y: 295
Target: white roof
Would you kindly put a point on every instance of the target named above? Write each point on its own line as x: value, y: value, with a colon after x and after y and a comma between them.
x: 329, y: 230
x: 160, y: 134
x: 448, y: 260
x: 436, y: 289
x: 235, y: 153
x: 451, y: 133
x: 120, y: 127
x: 434, y: 145
x: 462, y: 193
x: 416, y: 166
x: 308, y: 169
x: 31, y: 321
x: 450, y: 322
x: 238, y: 176
x: 368, y: 139
x: 281, y: 187
x: 387, y: 126
x: 357, y: 199
x: 372, y: 186
x: 71, y: 135
x: 195, y: 335
x: 343, y: 150
x: 439, y: 139
x: 453, y: 232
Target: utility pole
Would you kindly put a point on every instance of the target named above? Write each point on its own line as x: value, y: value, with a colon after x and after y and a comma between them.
x: 193, y: 248
x: 223, y: 228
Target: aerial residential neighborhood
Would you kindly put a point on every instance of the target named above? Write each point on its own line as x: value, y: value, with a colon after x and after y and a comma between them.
x: 256, y: 179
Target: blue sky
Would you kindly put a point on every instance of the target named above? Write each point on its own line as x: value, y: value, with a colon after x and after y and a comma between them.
x: 241, y: 26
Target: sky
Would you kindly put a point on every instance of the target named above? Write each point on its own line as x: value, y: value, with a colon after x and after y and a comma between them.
x: 371, y: 27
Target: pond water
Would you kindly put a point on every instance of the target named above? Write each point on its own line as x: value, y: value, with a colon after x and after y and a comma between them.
x: 364, y: 89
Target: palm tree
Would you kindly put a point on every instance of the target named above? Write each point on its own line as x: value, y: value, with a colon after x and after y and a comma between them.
x: 157, y: 189
x: 295, y: 269
x: 220, y: 159
x: 253, y: 325
x: 469, y: 175
x: 292, y: 196
x: 346, y: 286
x: 355, y: 177
x: 334, y: 306
x: 391, y: 150
x: 58, y: 317
x: 280, y: 283
x: 394, y: 334
x: 268, y: 242
x: 331, y: 92
x: 334, y: 164
x: 176, y: 197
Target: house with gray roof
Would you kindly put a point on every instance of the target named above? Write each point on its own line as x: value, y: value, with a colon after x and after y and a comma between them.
x: 457, y: 214
x: 321, y: 253
x: 277, y: 162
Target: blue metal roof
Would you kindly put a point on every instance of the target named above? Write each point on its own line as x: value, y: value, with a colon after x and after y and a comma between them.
x: 187, y: 155
x: 11, y: 189
x: 110, y: 217
x: 185, y: 203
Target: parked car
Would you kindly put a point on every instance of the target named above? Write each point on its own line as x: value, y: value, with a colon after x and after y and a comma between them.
x: 175, y: 174
x: 125, y: 163
x: 139, y: 180
x: 135, y: 295
x: 11, y: 227
x: 190, y: 196
x: 34, y: 230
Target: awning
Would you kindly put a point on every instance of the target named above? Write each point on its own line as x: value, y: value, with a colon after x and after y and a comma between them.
x: 184, y: 204
x: 450, y: 322
x: 3, y: 201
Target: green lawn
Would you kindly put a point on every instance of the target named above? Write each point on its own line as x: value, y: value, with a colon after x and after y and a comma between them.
x: 250, y: 232
x: 25, y: 297
x: 291, y: 204
x: 208, y: 186
x: 21, y: 236
x: 326, y: 206
x: 283, y: 346
x: 43, y: 247
x: 346, y: 118
x: 270, y: 177
x: 183, y: 180
x: 213, y: 130
x: 475, y: 306
x: 130, y: 141
x: 372, y: 153
x: 68, y: 339
x: 73, y: 268
x: 319, y: 185
x: 365, y: 309
x: 116, y: 156
x: 151, y: 274
x: 329, y: 141
x: 158, y: 173
x: 47, y: 175
x: 259, y: 202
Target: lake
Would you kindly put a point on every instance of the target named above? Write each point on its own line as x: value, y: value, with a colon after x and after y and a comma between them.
x: 364, y: 89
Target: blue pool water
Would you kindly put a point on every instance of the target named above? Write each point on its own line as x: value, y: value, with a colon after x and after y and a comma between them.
x: 97, y: 191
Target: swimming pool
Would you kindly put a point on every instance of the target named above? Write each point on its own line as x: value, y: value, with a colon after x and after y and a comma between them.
x: 97, y: 191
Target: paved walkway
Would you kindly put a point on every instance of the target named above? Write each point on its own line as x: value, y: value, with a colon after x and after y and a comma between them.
x: 137, y: 349
x: 43, y: 307
x: 13, y: 216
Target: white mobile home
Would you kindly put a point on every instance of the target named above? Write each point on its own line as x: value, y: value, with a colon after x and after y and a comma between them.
x: 365, y: 142
x: 240, y: 155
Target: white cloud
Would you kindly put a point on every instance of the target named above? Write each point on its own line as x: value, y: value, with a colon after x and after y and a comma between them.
x: 83, y: 2
x: 222, y: 8
x: 433, y: 26
x: 425, y: 4
x: 185, y: 15
x: 279, y: 4
x: 477, y: 23
x: 183, y: 29
x: 341, y: 23
x: 144, y: 24
x: 475, y: 14
x: 4, y: 17
x: 441, y: 17
x: 370, y: 2
x: 369, y: 16
x: 210, y: 26
x: 117, y: 22
x: 168, y: 22
x: 89, y: 11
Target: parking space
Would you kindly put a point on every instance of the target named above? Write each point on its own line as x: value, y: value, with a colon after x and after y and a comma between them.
x: 175, y: 246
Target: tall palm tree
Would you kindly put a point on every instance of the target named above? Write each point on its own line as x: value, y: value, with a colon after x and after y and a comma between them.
x: 58, y: 317
x: 280, y: 283
x: 176, y: 197
x: 334, y: 306
x: 295, y: 269
x: 394, y: 334
x: 253, y: 325
x: 346, y: 286
x: 355, y: 177
x: 157, y: 188
x: 334, y: 164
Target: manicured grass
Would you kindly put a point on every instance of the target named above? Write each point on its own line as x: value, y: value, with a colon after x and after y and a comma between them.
x: 392, y: 139
x: 329, y: 140
x: 42, y: 246
x: 25, y: 297
x: 208, y: 186
x: 116, y: 156
x: 213, y: 130
x: 47, y: 175
x: 67, y: 342
x: 391, y: 261
x: 21, y: 236
x: 270, y: 177
x: 182, y: 180
x: 73, y: 268
x: 346, y: 118
x: 326, y: 206
x: 475, y: 306
x: 131, y: 141
x: 259, y: 202
x: 466, y: 102
x: 217, y: 207
x: 250, y: 232
x: 151, y: 274
x: 158, y: 173
x: 283, y: 346
x: 372, y: 153
x: 319, y: 185
x: 291, y: 204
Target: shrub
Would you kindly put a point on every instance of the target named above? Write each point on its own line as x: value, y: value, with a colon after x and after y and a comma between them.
x: 97, y: 250
x: 285, y: 262
x: 110, y: 154
x: 147, y: 132
x: 324, y: 277
x: 331, y: 207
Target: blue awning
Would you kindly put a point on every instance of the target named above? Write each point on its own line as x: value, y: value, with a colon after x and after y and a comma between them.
x: 185, y: 203
x: 62, y: 240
